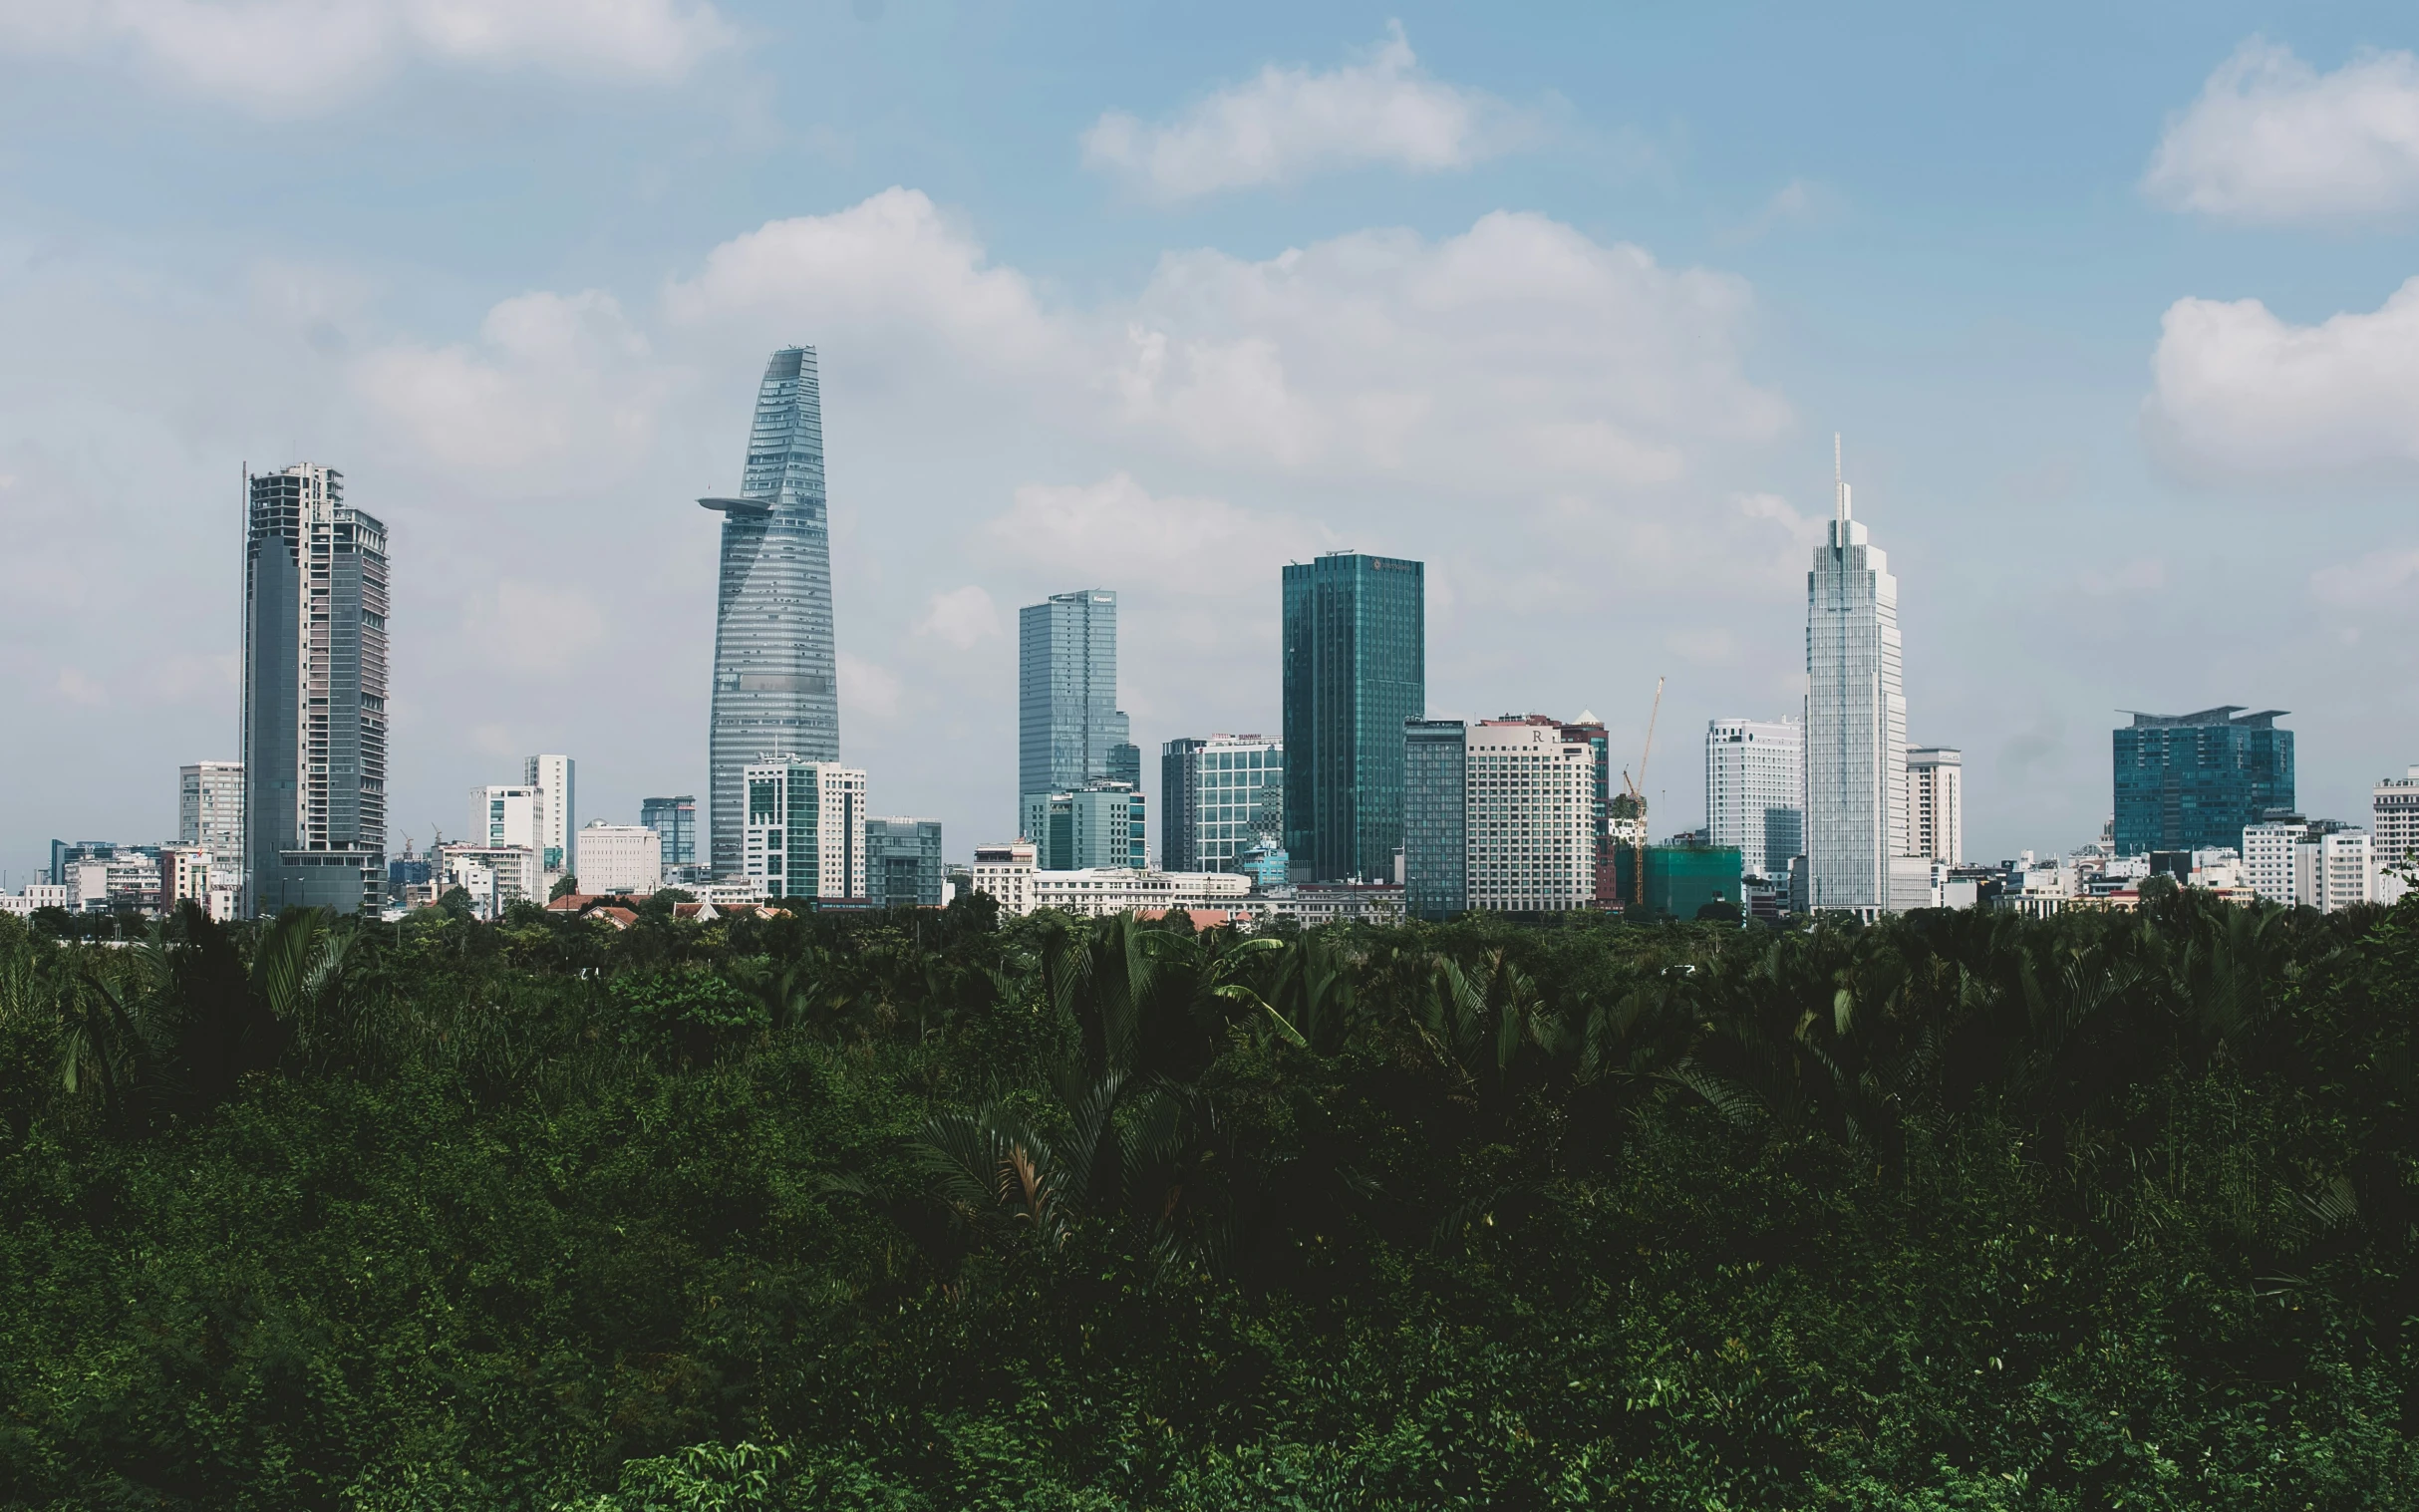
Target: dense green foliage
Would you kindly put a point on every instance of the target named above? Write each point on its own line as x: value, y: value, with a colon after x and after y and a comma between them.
x: 922, y: 1211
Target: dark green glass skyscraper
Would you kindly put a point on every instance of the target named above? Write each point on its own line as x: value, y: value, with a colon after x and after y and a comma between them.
x: 1355, y: 668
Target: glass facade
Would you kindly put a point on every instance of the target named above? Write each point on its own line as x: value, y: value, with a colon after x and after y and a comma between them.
x: 903, y: 863
x: 1069, y: 731
x: 1435, y: 817
x: 1102, y: 823
x: 1856, y: 721
x: 1218, y: 799
x: 2193, y: 781
x: 775, y: 694
x: 1355, y: 668
x: 673, y: 818
x: 1681, y: 879
x: 314, y: 697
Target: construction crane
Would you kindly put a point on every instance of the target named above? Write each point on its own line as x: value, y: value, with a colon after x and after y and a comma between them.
x: 1638, y: 803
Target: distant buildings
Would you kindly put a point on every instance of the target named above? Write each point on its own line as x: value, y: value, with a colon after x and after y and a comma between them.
x: 1102, y: 823
x: 903, y: 863
x: 209, y: 807
x: 1936, y: 803
x: 1756, y: 792
x: 675, y: 820
x: 314, y: 695
x: 1355, y: 668
x: 774, y: 696
x: 1856, y: 720
x: 1011, y: 873
x: 2190, y: 781
x: 504, y: 815
x: 619, y: 859
x: 1219, y: 797
x: 1069, y: 730
x: 805, y: 835
x: 493, y: 877
x: 2323, y: 865
x: 2395, y: 815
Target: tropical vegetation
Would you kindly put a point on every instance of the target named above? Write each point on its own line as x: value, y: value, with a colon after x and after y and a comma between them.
x: 936, y: 1210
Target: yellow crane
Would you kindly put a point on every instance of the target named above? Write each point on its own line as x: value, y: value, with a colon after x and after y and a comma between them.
x: 1638, y: 805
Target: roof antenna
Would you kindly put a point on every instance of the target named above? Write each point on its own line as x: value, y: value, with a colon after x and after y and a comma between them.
x: 1839, y: 484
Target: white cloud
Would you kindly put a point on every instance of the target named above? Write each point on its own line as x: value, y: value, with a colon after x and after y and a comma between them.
x: 77, y: 688
x: 890, y: 276
x: 960, y: 617
x: 1288, y: 123
x: 555, y: 378
x: 2381, y: 580
x: 868, y: 688
x: 1114, y: 531
x: 293, y: 57
x: 2236, y: 389
x: 1520, y: 349
x: 2272, y: 139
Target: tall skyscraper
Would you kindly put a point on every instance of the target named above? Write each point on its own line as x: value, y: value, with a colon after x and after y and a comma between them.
x: 1069, y: 731
x: 1435, y: 817
x: 1218, y: 799
x: 552, y: 778
x: 1936, y: 803
x: 2193, y: 782
x: 1756, y: 792
x: 1355, y: 668
x: 314, y: 695
x: 675, y: 818
x: 775, y: 694
x: 209, y: 808
x: 1856, y: 718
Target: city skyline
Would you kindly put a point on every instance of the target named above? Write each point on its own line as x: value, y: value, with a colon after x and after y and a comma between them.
x: 1042, y: 362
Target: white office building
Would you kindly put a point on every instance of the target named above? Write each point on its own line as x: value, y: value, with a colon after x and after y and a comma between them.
x: 1007, y: 872
x: 2395, y: 817
x: 1856, y: 719
x: 1935, y: 805
x: 620, y: 859
x: 503, y: 815
x: 210, y: 806
x: 2325, y: 866
x: 550, y: 778
x: 1531, y: 832
x: 805, y: 835
x: 1756, y: 792
x: 495, y: 876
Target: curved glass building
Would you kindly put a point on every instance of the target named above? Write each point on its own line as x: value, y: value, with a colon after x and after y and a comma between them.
x: 775, y: 694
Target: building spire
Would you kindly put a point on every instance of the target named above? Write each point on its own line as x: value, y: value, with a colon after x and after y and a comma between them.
x: 1839, y: 484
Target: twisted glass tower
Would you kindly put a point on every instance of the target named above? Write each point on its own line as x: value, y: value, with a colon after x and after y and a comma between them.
x: 775, y: 694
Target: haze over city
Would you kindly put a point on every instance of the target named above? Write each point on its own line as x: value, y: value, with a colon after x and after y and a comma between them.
x: 1569, y: 313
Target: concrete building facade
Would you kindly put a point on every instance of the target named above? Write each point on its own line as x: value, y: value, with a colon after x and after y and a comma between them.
x: 1531, y: 844
x: 1935, y: 805
x: 619, y: 859
x: 209, y: 807
x: 1756, y: 792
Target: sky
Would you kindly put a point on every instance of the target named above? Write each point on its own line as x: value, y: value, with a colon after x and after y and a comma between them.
x: 2112, y: 308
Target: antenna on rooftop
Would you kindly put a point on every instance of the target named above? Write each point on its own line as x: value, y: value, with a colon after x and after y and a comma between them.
x: 1838, y: 479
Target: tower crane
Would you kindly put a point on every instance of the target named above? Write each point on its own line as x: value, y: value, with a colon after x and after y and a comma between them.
x: 1638, y: 803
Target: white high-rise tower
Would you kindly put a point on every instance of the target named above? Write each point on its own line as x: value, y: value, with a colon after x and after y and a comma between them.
x: 1856, y: 718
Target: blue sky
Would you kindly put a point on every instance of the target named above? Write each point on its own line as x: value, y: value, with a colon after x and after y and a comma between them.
x: 1566, y: 301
